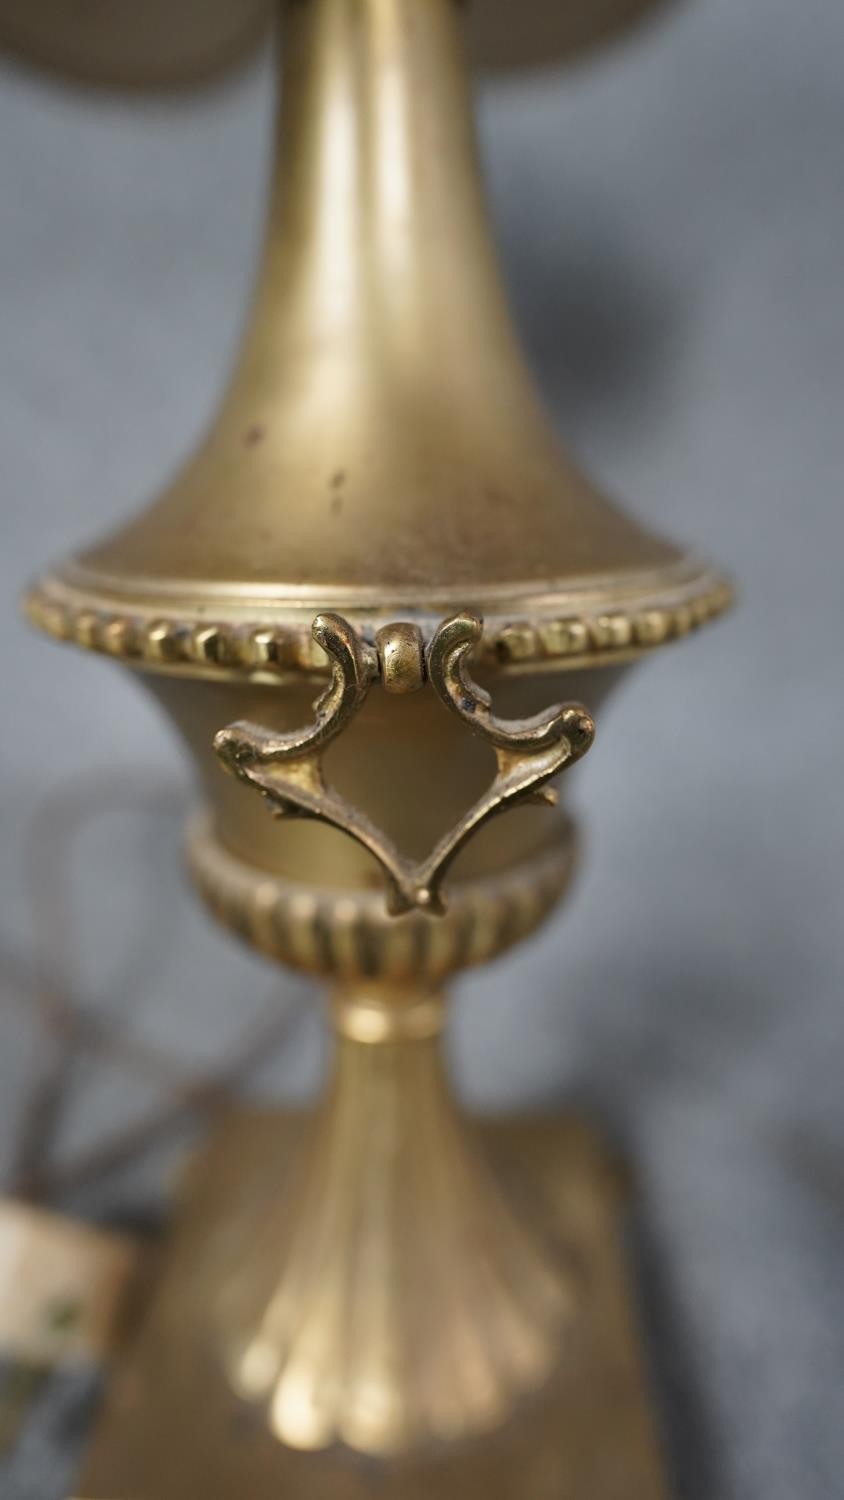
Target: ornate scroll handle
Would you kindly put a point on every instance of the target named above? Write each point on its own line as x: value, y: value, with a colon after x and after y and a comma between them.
x: 287, y: 769
x: 529, y: 752
x: 354, y: 665
x: 448, y: 669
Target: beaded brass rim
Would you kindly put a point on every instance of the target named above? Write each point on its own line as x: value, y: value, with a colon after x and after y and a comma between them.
x: 562, y: 627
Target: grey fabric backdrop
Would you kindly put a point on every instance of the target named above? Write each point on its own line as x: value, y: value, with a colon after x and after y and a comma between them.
x: 672, y: 224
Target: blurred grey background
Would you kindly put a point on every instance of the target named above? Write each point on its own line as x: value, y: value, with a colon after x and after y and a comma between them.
x: 671, y: 218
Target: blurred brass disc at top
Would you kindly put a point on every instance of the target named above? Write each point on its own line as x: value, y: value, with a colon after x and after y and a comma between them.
x: 134, y: 43
x: 510, y: 34
x: 177, y: 43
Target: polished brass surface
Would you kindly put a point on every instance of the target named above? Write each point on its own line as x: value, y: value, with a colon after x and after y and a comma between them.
x: 383, y: 463
x: 172, y: 1429
x: 382, y: 448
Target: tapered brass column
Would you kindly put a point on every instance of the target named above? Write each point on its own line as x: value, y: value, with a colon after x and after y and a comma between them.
x: 392, y: 1297
x: 368, y: 598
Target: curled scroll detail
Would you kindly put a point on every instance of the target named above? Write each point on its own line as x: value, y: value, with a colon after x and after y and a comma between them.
x: 287, y: 769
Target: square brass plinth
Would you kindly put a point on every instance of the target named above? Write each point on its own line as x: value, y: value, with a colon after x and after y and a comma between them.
x: 171, y: 1430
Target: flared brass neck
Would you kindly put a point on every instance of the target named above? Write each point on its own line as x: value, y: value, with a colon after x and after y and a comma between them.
x: 381, y: 437
x: 379, y: 267
x: 382, y: 450
x: 393, y: 1298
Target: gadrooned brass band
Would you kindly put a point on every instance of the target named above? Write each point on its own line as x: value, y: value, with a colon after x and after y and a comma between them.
x: 348, y: 933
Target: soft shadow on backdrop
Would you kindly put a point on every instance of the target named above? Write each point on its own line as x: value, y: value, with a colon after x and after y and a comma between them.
x: 671, y: 219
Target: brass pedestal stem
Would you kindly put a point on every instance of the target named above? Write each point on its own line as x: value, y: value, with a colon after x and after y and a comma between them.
x: 393, y: 1297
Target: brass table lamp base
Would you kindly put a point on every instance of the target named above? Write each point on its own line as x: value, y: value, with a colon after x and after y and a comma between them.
x: 172, y: 1429
x: 375, y: 592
